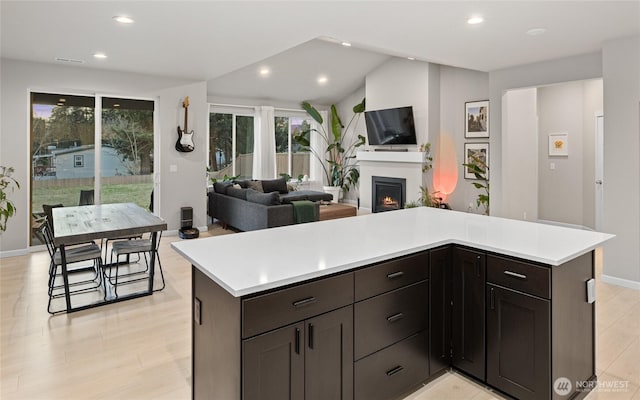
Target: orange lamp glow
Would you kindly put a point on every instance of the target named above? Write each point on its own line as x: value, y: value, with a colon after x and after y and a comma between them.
x: 445, y: 166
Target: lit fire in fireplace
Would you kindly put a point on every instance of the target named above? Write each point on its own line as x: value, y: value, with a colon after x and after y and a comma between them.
x: 389, y: 201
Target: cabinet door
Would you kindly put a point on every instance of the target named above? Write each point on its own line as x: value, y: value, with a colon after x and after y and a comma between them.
x: 518, y: 344
x: 329, y: 356
x: 468, y: 329
x: 440, y: 309
x: 273, y: 365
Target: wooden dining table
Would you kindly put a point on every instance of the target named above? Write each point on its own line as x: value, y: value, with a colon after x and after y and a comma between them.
x: 81, y: 224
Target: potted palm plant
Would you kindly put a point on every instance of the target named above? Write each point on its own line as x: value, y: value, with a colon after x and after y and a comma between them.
x: 340, y: 168
x: 7, y: 208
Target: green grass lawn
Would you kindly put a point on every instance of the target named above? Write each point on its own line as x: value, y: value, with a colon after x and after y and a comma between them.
x: 69, y: 196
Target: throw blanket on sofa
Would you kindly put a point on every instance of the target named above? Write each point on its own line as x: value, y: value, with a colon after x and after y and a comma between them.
x: 303, y: 211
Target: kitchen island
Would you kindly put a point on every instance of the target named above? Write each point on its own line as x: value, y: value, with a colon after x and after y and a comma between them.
x: 372, y: 306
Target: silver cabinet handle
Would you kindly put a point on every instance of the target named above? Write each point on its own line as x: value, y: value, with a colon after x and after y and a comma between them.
x: 304, y: 302
x: 515, y: 275
x: 395, y: 317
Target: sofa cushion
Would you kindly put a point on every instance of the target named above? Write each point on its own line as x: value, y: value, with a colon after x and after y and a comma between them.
x: 267, y: 199
x: 243, y: 183
x: 256, y: 185
x: 275, y: 185
x: 292, y: 196
x: 316, y: 196
x: 221, y: 187
x: 237, y: 193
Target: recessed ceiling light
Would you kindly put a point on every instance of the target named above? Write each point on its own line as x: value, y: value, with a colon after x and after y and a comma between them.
x: 346, y: 44
x: 475, y: 20
x: 60, y: 104
x: 116, y: 105
x: 123, y: 19
x: 536, y: 31
x: 62, y: 100
x: 322, y: 80
x: 411, y: 58
x: 99, y: 55
x: 265, y: 71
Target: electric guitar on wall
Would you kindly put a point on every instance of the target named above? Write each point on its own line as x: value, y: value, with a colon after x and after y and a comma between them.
x: 185, y: 138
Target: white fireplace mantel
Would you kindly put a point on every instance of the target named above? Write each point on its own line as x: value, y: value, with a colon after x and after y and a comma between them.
x: 390, y: 164
x: 391, y: 156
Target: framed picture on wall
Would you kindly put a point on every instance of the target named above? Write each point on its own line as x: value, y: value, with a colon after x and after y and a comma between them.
x: 476, y: 124
x: 558, y: 144
x: 478, y: 154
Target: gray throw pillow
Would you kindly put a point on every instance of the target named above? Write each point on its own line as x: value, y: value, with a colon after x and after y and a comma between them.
x: 255, y: 185
x: 275, y: 185
x: 237, y: 193
x: 221, y: 187
x: 267, y: 199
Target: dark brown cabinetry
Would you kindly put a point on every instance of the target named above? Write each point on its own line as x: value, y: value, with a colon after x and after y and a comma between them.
x: 440, y: 261
x: 468, y: 312
x: 518, y: 343
x: 539, y: 326
x: 380, y: 331
x: 311, y: 360
x: 390, y: 324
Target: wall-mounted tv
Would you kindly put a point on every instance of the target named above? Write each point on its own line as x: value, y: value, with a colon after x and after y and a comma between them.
x: 390, y: 126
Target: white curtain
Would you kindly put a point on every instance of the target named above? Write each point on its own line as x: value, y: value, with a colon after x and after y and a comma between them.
x: 319, y: 145
x: 264, y: 143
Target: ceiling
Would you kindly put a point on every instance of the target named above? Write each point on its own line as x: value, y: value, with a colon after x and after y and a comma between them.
x: 227, y: 42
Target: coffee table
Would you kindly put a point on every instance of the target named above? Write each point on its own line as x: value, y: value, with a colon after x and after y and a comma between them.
x: 336, y: 210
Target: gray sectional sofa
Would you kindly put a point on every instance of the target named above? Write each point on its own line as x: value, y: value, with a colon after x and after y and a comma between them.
x: 252, y: 205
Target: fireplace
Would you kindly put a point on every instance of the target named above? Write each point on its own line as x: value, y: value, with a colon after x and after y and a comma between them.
x: 387, y: 194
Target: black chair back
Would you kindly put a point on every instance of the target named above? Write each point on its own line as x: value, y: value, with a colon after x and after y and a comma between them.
x: 48, y: 210
x: 86, y: 198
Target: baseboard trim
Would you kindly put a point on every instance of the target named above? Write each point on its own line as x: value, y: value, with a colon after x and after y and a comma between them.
x: 14, y: 253
x: 620, y: 282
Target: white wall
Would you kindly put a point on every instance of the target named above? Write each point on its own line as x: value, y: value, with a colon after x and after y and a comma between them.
x: 592, y: 105
x: 621, y: 66
x: 18, y: 77
x: 567, y: 69
x: 560, y: 110
x: 400, y: 82
x: 519, y: 146
x: 345, y: 111
x: 457, y: 86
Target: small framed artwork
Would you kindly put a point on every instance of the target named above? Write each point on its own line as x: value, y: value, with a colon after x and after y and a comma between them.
x: 478, y: 154
x: 558, y: 144
x: 476, y: 124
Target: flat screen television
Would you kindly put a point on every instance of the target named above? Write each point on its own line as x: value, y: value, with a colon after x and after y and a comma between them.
x: 390, y: 126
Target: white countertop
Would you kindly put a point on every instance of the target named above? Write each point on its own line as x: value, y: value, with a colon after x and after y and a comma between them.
x: 251, y: 262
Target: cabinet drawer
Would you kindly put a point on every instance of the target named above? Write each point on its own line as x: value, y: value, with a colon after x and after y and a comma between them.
x: 518, y: 275
x: 273, y: 310
x: 393, y: 371
x: 391, y: 275
x: 388, y: 318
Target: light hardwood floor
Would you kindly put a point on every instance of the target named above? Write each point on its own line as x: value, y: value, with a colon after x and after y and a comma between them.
x: 141, y: 349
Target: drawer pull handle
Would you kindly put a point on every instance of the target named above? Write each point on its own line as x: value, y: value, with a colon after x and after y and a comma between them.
x: 395, y: 317
x: 395, y: 370
x: 515, y: 275
x: 304, y: 302
x: 395, y: 275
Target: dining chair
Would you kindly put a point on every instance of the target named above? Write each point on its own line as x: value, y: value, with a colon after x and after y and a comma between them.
x: 83, y: 253
x: 127, y: 248
x: 86, y: 198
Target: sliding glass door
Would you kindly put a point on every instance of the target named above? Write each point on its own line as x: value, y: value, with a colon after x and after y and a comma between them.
x: 68, y: 147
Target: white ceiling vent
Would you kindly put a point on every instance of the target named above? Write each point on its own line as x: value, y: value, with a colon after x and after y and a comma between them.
x: 69, y: 60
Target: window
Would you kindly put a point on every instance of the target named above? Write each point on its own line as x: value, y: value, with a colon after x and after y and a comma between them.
x: 230, y: 143
x: 291, y: 158
x: 65, y: 153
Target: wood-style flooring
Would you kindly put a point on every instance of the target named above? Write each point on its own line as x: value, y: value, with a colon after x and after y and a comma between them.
x: 141, y: 349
